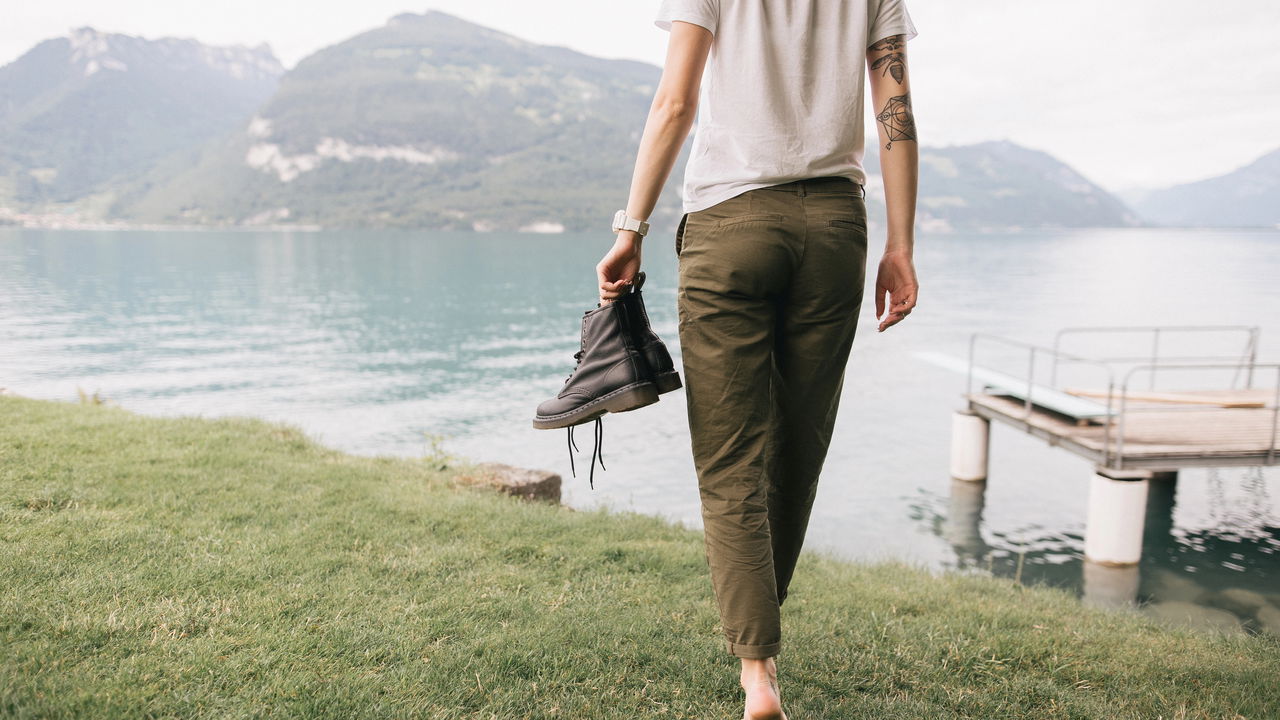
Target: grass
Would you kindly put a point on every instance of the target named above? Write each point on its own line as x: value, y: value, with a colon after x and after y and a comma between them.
x: 195, y: 568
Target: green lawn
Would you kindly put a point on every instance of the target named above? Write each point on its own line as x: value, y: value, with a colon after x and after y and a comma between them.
x: 232, y: 568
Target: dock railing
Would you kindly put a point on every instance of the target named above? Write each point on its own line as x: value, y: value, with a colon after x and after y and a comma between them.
x: 1246, y: 360
x: 1117, y: 408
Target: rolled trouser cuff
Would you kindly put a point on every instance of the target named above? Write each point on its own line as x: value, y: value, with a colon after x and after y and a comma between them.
x: 752, y: 652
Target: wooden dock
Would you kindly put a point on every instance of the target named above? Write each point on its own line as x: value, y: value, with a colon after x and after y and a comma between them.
x: 1155, y: 436
x: 1131, y: 435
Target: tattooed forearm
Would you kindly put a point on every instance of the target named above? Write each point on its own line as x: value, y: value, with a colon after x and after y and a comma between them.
x: 897, y: 121
x: 894, y: 64
x: 893, y: 42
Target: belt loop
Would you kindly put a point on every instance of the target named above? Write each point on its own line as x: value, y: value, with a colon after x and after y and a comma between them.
x: 800, y: 189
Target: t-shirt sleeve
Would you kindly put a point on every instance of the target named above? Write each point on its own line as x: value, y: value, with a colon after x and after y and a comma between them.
x: 698, y: 12
x: 888, y: 17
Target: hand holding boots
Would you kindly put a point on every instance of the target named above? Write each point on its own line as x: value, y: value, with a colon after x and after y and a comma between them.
x: 618, y: 268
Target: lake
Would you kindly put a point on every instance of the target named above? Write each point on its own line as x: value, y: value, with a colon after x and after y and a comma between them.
x: 376, y: 341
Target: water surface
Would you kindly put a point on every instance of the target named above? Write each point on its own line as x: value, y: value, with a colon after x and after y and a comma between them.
x: 374, y: 342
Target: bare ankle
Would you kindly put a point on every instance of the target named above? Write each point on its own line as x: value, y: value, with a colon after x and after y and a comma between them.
x: 759, y: 668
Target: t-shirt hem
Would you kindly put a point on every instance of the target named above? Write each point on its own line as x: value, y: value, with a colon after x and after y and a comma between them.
x: 721, y: 196
x: 700, y: 20
x: 737, y: 190
x: 906, y: 31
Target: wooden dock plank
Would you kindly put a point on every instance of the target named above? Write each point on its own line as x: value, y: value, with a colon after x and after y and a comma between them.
x: 1226, y: 398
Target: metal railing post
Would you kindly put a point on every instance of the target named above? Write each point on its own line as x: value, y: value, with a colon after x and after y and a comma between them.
x: 968, y: 380
x: 1124, y: 403
x: 1053, y: 369
x: 1253, y: 355
x: 1155, y: 356
x: 1031, y: 371
x: 1275, y: 416
x: 1107, y: 423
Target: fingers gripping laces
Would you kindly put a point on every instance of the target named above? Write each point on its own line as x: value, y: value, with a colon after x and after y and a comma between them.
x: 598, y: 450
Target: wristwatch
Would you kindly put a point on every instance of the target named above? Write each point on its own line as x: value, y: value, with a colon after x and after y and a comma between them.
x: 622, y: 222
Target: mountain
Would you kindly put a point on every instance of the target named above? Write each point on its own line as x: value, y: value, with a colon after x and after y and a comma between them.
x: 428, y: 121
x: 1000, y: 184
x: 1247, y: 197
x: 90, y: 110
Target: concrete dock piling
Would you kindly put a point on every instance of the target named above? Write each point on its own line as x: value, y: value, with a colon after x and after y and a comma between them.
x: 970, y: 438
x: 1116, y: 515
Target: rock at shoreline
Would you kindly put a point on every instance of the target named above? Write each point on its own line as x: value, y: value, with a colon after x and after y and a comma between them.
x: 1167, y: 586
x: 1269, y: 620
x: 1185, y: 614
x: 1240, y: 601
x: 520, y: 482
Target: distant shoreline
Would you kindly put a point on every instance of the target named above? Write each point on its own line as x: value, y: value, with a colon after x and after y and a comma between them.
x: 151, y: 227
x: 873, y: 229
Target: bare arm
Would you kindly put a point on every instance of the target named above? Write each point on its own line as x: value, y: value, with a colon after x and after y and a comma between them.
x: 899, y: 166
x: 671, y: 116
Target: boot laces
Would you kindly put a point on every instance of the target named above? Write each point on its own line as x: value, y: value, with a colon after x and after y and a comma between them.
x: 577, y: 360
x: 582, y: 350
x: 598, y: 450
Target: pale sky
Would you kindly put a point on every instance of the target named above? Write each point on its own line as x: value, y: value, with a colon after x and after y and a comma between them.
x: 1132, y: 93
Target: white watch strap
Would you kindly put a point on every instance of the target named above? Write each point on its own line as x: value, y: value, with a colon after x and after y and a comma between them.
x: 622, y: 222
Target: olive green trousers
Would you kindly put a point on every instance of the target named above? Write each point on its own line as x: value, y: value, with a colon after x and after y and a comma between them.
x: 770, y: 286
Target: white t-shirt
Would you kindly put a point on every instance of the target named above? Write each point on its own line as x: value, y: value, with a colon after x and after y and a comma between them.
x: 782, y: 93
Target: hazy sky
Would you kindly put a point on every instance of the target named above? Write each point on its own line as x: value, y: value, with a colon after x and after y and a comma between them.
x: 1129, y: 92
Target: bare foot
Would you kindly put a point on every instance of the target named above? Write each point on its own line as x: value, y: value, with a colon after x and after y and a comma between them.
x: 760, y: 681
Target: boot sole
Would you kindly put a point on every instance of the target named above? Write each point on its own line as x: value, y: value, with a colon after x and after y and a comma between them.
x: 668, y: 381
x: 623, y: 399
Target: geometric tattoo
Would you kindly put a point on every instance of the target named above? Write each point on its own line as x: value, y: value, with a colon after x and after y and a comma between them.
x: 897, y: 120
x: 895, y: 64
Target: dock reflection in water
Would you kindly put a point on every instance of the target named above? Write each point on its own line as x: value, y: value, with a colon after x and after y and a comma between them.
x: 1217, y: 577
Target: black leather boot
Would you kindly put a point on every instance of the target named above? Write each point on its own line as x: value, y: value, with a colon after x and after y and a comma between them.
x: 611, y: 375
x: 655, y: 352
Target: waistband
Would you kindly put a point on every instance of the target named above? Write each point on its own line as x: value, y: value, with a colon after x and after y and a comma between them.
x: 817, y: 185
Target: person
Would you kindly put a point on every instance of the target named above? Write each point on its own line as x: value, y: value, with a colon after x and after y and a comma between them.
x: 771, y: 253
